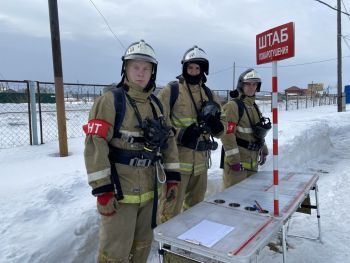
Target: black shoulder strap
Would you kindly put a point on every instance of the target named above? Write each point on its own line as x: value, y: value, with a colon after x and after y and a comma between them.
x: 119, y: 106
x: 157, y: 101
x: 208, y: 92
x: 174, y: 94
x: 240, y: 109
x: 258, y: 110
x: 222, y: 157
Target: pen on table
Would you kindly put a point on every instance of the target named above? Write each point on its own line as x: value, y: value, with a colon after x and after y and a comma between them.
x: 193, y: 241
x: 259, y: 206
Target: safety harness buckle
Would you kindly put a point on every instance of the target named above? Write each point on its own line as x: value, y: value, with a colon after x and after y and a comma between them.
x: 254, y: 146
x: 127, y: 138
x: 140, y: 162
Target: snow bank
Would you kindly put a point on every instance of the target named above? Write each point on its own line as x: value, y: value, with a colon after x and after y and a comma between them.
x: 49, y: 215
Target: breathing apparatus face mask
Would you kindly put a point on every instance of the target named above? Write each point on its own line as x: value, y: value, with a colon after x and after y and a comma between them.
x: 156, y: 133
x: 210, y: 109
x: 262, y: 128
x: 192, y: 79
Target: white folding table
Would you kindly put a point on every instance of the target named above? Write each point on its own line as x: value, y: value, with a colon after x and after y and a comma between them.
x: 235, y: 207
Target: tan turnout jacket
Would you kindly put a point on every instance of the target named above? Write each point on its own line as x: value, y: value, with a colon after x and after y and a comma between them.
x: 137, y: 182
x: 233, y: 152
x: 183, y: 115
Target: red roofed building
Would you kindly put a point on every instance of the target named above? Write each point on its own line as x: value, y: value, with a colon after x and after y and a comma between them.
x: 294, y: 90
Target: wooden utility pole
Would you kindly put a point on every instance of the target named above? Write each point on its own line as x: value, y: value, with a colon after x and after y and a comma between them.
x: 57, y: 68
x: 234, y: 75
x: 341, y: 107
x: 340, y: 95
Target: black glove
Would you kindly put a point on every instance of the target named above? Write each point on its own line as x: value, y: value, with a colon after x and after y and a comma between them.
x: 189, y: 134
x: 214, y: 124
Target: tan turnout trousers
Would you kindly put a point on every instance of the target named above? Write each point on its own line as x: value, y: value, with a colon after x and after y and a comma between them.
x: 127, y: 230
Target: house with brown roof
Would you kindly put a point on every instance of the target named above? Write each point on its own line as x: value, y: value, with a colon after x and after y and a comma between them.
x: 294, y: 90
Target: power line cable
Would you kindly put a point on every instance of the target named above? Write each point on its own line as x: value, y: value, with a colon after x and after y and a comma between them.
x: 313, y: 62
x: 105, y: 20
x: 2, y: 75
x: 345, y: 8
x: 282, y: 66
x: 346, y: 42
x: 345, y: 13
x: 223, y: 70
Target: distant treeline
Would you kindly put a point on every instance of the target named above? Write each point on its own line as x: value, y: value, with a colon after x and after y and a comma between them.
x: 14, y: 97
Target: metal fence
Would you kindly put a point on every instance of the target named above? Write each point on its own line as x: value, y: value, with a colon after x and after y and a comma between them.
x: 15, y: 111
x: 288, y: 102
x: 78, y: 101
x: 16, y: 126
x: 15, y: 118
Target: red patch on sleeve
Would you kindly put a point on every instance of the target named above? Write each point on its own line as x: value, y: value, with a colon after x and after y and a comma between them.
x: 231, y: 127
x: 97, y: 127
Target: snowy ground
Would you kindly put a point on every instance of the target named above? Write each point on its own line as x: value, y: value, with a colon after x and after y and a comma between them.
x: 48, y: 214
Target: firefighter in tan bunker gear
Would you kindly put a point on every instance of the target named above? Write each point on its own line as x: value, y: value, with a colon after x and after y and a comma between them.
x: 244, y: 146
x: 196, y: 113
x: 127, y: 139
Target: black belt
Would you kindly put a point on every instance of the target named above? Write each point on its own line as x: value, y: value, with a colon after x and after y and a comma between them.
x: 131, y: 157
x: 136, y: 158
x: 252, y: 146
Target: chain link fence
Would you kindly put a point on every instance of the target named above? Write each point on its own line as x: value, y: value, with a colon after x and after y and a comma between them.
x: 78, y: 101
x: 15, y: 111
x: 15, y: 108
x: 14, y: 114
x: 285, y: 101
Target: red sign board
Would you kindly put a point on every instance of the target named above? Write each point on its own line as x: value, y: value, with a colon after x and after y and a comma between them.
x: 275, y: 44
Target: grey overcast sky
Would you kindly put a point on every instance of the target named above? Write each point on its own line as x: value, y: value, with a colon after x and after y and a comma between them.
x: 225, y: 29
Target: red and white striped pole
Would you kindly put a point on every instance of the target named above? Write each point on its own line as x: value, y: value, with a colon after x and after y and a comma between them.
x: 275, y: 137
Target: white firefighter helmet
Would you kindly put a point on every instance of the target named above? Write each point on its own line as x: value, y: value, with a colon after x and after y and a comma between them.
x: 250, y: 75
x: 196, y: 55
x: 141, y: 51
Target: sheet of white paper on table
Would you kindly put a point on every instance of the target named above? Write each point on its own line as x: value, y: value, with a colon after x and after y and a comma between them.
x: 206, y: 233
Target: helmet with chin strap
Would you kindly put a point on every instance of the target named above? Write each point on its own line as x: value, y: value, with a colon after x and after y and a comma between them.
x: 250, y: 75
x: 198, y: 56
x: 141, y: 51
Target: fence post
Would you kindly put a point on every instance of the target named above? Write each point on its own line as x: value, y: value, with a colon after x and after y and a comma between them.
x: 343, y: 98
x: 33, y: 111
x: 40, y: 115
x: 298, y: 101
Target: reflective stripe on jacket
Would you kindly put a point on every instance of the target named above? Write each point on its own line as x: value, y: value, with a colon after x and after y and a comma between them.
x: 137, y: 183
x: 184, y: 114
x: 243, y: 130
